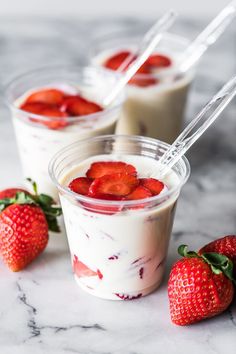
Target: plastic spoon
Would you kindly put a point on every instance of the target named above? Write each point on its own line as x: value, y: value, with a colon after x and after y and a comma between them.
x: 148, y: 44
x: 190, y: 134
x: 207, y: 37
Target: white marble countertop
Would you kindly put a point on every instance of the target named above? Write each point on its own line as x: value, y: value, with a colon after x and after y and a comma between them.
x: 41, y: 309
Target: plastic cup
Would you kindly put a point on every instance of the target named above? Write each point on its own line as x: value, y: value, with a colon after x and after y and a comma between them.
x: 118, y: 248
x: 36, y: 136
x: 156, y: 110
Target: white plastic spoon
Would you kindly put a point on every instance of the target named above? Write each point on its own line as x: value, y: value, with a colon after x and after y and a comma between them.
x: 207, y: 37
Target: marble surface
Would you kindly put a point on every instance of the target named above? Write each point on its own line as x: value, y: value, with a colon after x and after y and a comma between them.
x: 41, y: 309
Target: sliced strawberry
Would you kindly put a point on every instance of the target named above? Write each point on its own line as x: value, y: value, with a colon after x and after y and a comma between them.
x: 115, y: 61
x: 80, y: 185
x: 99, y: 273
x: 47, y: 96
x: 54, y: 113
x: 158, y: 61
x: 35, y: 107
x: 113, y: 186
x: 99, y: 169
x: 11, y: 192
x: 138, y: 80
x: 144, y: 69
x: 79, y: 106
x: 139, y: 193
x: 153, y: 185
x: 81, y: 270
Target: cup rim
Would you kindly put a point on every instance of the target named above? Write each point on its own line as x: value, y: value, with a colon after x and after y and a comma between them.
x: 70, y: 119
x: 95, y: 201
x: 165, y: 72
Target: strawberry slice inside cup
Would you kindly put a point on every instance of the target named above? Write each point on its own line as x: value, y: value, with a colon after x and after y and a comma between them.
x: 115, y: 61
x: 79, y: 106
x: 116, y: 185
x: 82, y: 270
x: 158, y: 61
x: 114, y: 181
x: 56, y: 104
x: 139, y: 193
x: 47, y: 96
x: 153, y: 185
x: 153, y: 62
x: 81, y: 185
x: 99, y: 169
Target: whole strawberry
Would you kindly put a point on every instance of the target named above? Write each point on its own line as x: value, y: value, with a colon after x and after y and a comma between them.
x: 199, y: 287
x: 225, y: 245
x: 10, y: 192
x: 24, y: 223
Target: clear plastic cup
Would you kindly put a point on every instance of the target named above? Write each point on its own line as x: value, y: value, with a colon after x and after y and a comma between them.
x: 118, y: 248
x: 37, y: 141
x: 156, y: 110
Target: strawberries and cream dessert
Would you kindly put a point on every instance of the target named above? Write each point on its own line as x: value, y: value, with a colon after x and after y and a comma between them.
x: 54, y: 114
x: 156, y: 95
x: 118, y: 214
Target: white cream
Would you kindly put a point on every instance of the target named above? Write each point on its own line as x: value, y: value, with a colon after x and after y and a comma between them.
x: 128, y: 247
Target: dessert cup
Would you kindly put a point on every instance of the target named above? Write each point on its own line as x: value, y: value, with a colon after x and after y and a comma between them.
x: 118, y: 248
x: 156, y: 110
x: 37, y: 142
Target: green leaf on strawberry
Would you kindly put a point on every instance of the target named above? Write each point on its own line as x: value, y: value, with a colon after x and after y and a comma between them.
x: 218, y: 262
x: 45, y: 202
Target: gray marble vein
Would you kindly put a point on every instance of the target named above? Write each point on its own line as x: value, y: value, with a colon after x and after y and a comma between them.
x: 42, y: 311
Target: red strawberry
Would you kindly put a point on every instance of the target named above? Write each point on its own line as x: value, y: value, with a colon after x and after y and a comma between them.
x: 24, y: 222
x: 10, y: 192
x: 115, y: 61
x: 80, y: 185
x: 139, y: 193
x: 153, y: 185
x: 47, y: 96
x: 81, y: 270
x: 199, y: 287
x: 145, y: 81
x: 52, y: 112
x: 34, y: 107
x: 99, y: 169
x: 114, y: 186
x: 23, y: 235
x: 79, y: 106
x: 158, y: 61
x: 225, y: 245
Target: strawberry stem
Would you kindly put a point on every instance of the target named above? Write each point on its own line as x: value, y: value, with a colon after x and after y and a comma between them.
x: 183, y: 251
x: 34, y: 185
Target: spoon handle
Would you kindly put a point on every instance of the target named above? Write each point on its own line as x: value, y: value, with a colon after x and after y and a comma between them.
x: 151, y: 33
x: 207, y: 37
x: 150, y: 41
x: 198, y: 126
